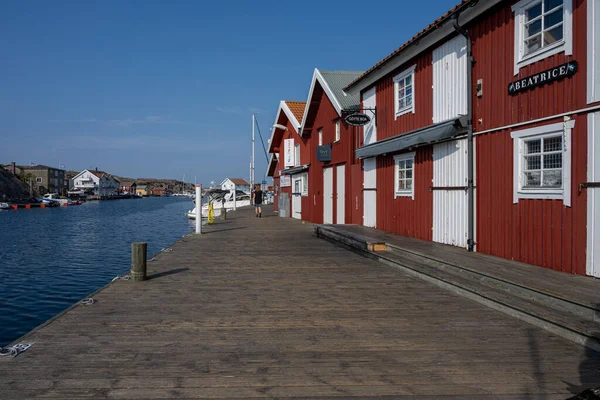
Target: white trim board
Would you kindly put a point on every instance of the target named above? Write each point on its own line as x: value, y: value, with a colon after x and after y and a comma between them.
x: 318, y: 77
x: 593, y: 51
x: 286, y: 109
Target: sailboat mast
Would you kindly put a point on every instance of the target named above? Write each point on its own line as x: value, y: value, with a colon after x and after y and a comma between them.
x: 252, y: 167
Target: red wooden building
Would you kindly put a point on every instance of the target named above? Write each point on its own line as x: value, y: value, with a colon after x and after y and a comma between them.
x: 487, y: 133
x: 285, y: 132
x: 320, y: 187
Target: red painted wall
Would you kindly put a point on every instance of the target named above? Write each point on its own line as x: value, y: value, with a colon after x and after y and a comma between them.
x: 539, y: 232
x: 280, y: 149
x: 493, y: 50
x: 403, y: 215
x: 342, y: 152
x: 387, y: 123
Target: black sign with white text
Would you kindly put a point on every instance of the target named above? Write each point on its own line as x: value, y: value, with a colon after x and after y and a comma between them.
x: 551, y: 75
x: 357, y: 119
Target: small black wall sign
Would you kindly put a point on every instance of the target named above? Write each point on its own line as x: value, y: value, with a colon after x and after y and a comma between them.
x: 324, y: 153
x: 357, y: 119
x: 550, y: 75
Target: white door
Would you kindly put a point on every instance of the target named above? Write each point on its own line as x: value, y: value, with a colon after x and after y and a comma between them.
x: 328, y: 195
x: 340, y: 194
x: 450, y: 205
x: 450, y: 79
x: 297, y: 197
x: 370, y: 193
x: 593, y: 196
x: 369, y: 171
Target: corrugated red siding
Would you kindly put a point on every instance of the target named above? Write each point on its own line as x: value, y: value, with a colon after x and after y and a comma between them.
x: 403, y: 215
x: 304, y: 154
x: 493, y: 51
x: 539, y: 232
x: 387, y: 123
x: 355, y: 200
x: 342, y: 152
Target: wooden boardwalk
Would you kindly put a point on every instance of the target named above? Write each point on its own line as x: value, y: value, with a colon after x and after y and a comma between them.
x: 259, y: 308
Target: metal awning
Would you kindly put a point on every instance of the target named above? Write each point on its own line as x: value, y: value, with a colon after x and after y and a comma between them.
x: 419, y: 137
x: 294, y: 170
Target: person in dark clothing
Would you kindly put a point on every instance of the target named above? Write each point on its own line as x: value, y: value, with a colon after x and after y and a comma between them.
x: 257, y: 199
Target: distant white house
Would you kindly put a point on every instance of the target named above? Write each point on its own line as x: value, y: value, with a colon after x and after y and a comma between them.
x: 235, y: 183
x: 98, y: 182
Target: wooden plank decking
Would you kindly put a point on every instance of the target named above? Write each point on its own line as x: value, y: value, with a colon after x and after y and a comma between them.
x: 259, y: 308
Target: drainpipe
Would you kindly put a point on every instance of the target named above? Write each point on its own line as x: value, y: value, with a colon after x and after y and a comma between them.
x: 470, y: 187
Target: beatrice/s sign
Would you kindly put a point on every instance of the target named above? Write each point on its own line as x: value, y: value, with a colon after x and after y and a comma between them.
x: 357, y: 119
x: 551, y: 75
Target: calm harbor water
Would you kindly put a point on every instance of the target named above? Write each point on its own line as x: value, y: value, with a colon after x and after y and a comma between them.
x: 52, y: 258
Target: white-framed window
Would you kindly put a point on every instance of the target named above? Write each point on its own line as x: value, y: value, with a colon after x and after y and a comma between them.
x: 320, y: 131
x: 297, y: 155
x: 542, y: 28
x: 338, y: 134
x: 404, y: 175
x: 404, y: 94
x: 38, y: 180
x: 305, y: 184
x: 301, y: 184
x: 542, y: 162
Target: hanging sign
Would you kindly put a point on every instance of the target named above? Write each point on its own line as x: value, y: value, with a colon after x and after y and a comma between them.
x: 550, y: 75
x: 357, y: 119
x: 288, y: 153
x: 324, y: 153
x: 285, y: 181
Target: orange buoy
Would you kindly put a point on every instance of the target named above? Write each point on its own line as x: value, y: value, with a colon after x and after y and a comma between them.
x: 42, y: 206
x: 15, y: 207
x: 28, y: 206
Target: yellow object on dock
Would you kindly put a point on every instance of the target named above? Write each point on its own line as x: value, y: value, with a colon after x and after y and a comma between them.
x: 211, y: 214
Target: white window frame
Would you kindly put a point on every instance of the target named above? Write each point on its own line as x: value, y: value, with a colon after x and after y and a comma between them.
x: 338, y: 134
x: 404, y: 192
x: 39, y: 180
x: 401, y: 76
x: 563, y: 193
x: 297, y: 155
x: 565, y: 45
x: 320, y: 132
x: 304, y: 184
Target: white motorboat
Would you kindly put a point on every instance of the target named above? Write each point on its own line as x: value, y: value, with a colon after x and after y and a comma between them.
x: 56, y: 197
x: 219, y: 199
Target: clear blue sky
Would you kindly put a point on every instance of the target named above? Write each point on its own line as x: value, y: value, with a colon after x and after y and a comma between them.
x: 161, y: 89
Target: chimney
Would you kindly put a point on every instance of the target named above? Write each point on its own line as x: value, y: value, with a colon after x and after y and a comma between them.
x: 13, y: 168
x: 96, y: 169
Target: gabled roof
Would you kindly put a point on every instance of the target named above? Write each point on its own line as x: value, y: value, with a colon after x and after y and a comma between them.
x: 272, y: 165
x: 236, y: 181
x: 97, y: 173
x: 333, y: 84
x: 469, y: 8
x: 296, y: 108
x: 293, y: 110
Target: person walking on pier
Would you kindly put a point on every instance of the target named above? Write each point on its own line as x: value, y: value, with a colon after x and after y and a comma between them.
x: 257, y: 199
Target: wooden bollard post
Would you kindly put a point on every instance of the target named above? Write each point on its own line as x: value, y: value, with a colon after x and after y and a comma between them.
x: 224, y: 212
x: 138, y: 261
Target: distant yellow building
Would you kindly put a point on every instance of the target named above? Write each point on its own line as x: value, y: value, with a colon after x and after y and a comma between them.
x: 141, y: 190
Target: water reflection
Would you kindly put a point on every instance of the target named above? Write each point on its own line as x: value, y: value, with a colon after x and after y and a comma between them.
x: 51, y: 258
